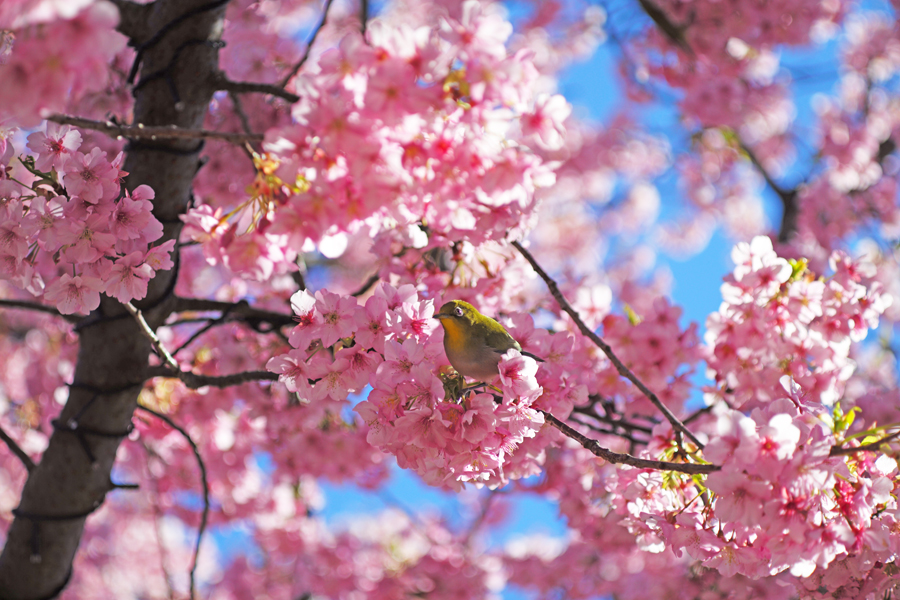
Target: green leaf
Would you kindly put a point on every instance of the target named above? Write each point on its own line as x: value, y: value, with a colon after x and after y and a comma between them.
x: 633, y: 317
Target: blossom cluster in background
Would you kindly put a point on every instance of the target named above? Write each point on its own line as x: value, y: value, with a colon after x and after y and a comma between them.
x: 70, y: 232
x: 419, y: 148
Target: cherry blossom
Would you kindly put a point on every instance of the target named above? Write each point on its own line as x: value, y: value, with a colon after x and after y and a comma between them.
x: 287, y: 235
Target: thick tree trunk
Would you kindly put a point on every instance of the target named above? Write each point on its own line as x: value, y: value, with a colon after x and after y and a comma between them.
x: 178, y: 74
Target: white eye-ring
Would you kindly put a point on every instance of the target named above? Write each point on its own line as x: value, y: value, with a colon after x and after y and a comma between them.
x: 459, y: 311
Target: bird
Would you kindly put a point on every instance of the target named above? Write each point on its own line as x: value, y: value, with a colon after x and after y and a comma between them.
x: 473, y: 342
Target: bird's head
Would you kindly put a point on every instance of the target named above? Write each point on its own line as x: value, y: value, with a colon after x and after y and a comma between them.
x: 459, y: 319
x: 458, y: 312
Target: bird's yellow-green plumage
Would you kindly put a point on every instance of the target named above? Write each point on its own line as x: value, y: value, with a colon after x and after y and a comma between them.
x: 473, y: 342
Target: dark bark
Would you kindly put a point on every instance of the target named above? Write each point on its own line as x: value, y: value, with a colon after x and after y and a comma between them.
x: 178, y: 66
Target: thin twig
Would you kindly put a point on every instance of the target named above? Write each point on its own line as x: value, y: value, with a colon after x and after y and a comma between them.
x: 586, y: 411
x: 607, y: 350
x: 241, y: 310
x: 239, y: 111
x: 157, y: 517
x: 698, y: 413
x: 674, y: 33
x: 246, y: 87
x: 195, y: 381
x: 210, y: 323
x: 44, y: 308
x: 205, y: 516
x: 245, y: 122
x: 17, y: 450
x: 620, y: 434
x: 137, y: 132
x: 188, y: 321
x: 312, y: 40
x: 363, y: 16
x: 626, y: 459
x: 151, y: 335
x: 366, y: 286
x: 838, y: 451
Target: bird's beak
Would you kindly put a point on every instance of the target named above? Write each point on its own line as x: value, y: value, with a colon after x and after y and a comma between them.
x: 440, y: 316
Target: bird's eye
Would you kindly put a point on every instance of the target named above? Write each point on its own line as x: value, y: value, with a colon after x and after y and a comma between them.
x: 459, y: 311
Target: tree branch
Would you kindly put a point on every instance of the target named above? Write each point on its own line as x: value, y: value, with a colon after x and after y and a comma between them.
x: 157, y: 518
x: 312, y: 40
x: 698, y: 413
x: 178, y: 43
x: 17, y: 450
x: 363, y: 16
x: 366, y: 286
x: 50, y: 310
x: 148, y: 332
x: 626, y: 459
x: 239, y: 111
x: 790, y: 208
x: 203, y: 478
x: 195, y: 381
x: 210, y: 323
x: 607, y: 420
x: 838, y: 451
x: 607, y: 350
x: 248, y: 87
x: 234, y: 309
x: 191, y: 380
x: 596, y: 428
x: 674, y: 33
x: 139, y: 132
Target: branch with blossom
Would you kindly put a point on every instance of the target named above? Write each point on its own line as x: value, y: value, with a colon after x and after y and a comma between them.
x: 196, y: 381
x: 312, y: 40
x: 431, y: 131
x: 142, y: 132
x: 148, y: 332
x: 626, y: 459
x: 247, y: 87
x: 241, y: 309
x: 37, y: 306
x: 607, y: 350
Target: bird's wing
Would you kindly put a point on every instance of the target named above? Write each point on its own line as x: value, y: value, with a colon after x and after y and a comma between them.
x: 500, y: 340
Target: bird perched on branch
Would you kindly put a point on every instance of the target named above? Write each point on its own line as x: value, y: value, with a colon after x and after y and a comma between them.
x: 473, y: 342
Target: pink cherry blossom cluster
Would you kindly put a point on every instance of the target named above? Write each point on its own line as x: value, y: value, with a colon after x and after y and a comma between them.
x: 586, y: 569
x: 425, y: 134
x: 67, y: 234
x: 610, y: 551
x: 382, y: 556
x: 854, y: 190
x: 872, y: 48
x: 446, y: 440
x: 385, y: 555
x: 58, y: 53
x: 710, y: 25
x: 781, y: 502
x: 658, y: 351
x: 778, y: 320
